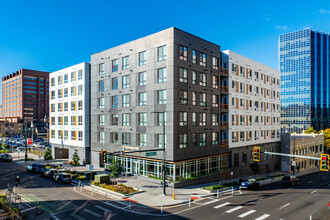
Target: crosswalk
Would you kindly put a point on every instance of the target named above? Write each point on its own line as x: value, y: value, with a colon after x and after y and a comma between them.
x: 241, y: 211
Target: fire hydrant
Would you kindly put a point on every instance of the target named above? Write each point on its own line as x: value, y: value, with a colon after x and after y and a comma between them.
x: 173, y: 196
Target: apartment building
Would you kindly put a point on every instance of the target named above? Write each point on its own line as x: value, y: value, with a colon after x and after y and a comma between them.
x: 70, y: 112
x: 172, y: 77
x: 25, y: 95
x: 254, y: 112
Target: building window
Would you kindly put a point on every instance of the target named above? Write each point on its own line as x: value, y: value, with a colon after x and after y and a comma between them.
x: 114, y: 102
x: 66, y: 92
x: 66, y: 78
x: 73, y: 76
x: 52, y: 119
x: 183, y: 53
x: 80, y: 135
x: 125, y: 81
x: 53, y: 94
x: 183, y: 118
x: 160, y: 140
x: 236, y: 160
x: 59, y: 80
x: 183, y: 75
x: 73, y: 120
x: 66, y: 120
x: 202, y: 99
x: 183, y: 140
x: 101, y: 102
x: 143, y: 139
x: 234, y: 67
x: 80, y: 90
x: 183, y: 97
x: 66, y: 106
x: 202, y: 59
x: 66, y: 135
x: 73, y: 91
x: 233, y: 137
x: 142, y: 119
x: 215, y: 82
x: 142, y: 58
x: 125, y: 100
x: 114, y: 138
x: 142, y: 98
x: 162, y: 53
x: 215, y: 138
x: 215, y: 63
x: 114, y: 83
x: 73, y: 106
x: 161, y: 117
x: 142, y: 79
x: 101, y: 68
x: 126, y: 119
x: 215, y: 101
x: 80, y: 120
x: 161, y: 97
x: 101, y: 86
x: 59, y: 93
x: 161, y: 75
x: 115, y: 65
x: 101, y: 120
x: 80, y: 74
x: 194, y: 139
x: 202, y: 79
x: 242, y: 71
x: 125, y: 62
x: 194, y: 98
x: 80, y: 105
x: 59, y: 107
x: 194, y: 77
x: 114, y: 119
x: 59, y: 134
x: 202, y: 139
x: 101, y: 137
x: 53, y: 83
x: 202, y: 119
x: 215, y: 119
x: 52, y: 133
x: 241, y: 136
x: 194, y: 56
x: 194, y: 118
x: 126, y: 138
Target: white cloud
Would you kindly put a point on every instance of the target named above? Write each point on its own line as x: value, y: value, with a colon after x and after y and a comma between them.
x: 281, y: 27
x: 323, y: 11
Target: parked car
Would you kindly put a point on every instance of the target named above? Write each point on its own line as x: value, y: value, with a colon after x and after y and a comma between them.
x: 36, y: 168
x: 63, y: 178
x: 49, y: 173
x: 290, y: 181
x: 250, y: 184
x: 6, y: 158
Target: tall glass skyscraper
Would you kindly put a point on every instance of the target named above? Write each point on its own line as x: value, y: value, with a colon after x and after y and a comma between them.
x: 304, y: 62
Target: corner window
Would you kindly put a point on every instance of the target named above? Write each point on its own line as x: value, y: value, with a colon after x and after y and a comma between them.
x: 80, y: 74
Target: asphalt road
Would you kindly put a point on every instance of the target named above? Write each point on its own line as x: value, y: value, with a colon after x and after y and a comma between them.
x: 273, y: 201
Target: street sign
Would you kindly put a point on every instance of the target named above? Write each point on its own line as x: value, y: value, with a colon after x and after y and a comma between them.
x: 91, y: 167
x: 29, y: 141
x: 294, y: 163
x: 151, y: 153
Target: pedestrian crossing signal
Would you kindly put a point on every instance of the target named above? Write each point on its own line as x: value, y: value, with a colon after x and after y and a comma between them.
x: 104, y: 157
x: 324, y: 162
x: 256, y: 153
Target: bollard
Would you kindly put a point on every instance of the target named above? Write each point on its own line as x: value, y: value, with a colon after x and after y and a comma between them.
x: 232, y: 190
x: 92, y: 191
x: 14, y: 189
x: 173, y: 196
x: 79, y: 183
x: 217, y: 194
x: 189, y: 202
x: 161, y: 209
x: 310, y: 217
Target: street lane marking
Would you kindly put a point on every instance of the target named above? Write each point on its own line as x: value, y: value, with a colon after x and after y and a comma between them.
x: 77, y: 217
x: 93, y: 213
x: 289, y: 189
x: 262, y: 217
x: 209, y: 202
x: 222, y: 205
x: 104, y: 209
x: 285, y: 206
x: 247, y: 213
x: 313, y: 191
x: 310, y: 181
x: 234, y: 209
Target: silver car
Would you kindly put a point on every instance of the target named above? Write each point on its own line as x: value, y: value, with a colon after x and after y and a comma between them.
x: 63, y: 178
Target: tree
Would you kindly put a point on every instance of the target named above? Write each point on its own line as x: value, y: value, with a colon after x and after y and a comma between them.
x: 114, y: 167
x: 75, y: 159
x: 3, y: 146
x: 326, y: 133
x: 310, y: 130
x: 48, y: 155
x: 255, y: 167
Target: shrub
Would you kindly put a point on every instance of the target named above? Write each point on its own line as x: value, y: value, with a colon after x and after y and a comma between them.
x: 81, y: 177
x: 95, y: 183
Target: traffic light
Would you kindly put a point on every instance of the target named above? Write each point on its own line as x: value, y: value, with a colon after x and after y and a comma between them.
x: 324, y: 162
x: 256, y: 153
x: 104, y: 157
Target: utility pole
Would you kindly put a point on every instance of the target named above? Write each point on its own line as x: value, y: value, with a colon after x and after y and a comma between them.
x: 25, y: 127
x: 164, y: 155
x: 294, y: 150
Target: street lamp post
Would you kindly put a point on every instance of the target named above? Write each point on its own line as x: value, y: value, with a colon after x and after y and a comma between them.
x: 25, y: 127
x: 46, y: 126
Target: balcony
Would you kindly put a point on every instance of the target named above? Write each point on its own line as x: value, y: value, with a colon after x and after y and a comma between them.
x: 223, y: 142
x: 223, y: 107
x: 224, y: 89
x: 224, y: 124
x: 223, y: 71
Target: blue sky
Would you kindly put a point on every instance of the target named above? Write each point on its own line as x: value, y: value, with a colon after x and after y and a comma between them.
x: 51, y: 35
